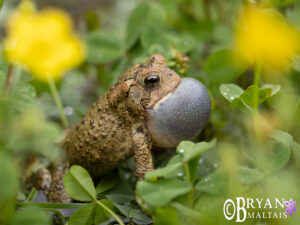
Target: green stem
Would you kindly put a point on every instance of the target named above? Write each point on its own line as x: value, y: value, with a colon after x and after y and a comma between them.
x: 52, y: 205
x: 206, y: 8
x: 187, y: 172
x: 9, y: 79
x: 57, y: 100
x: 256, y: 85
x: 109, y: 211
x: 188, y: 177
x: 220, y: 10
x: 1, y: 4
x: 31, y: 195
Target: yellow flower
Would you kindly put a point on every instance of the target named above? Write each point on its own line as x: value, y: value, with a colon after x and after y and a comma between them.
x: 264, y: 36
x: 42, y: 41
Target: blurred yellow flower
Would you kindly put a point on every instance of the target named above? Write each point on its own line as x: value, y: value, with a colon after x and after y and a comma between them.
x: 264, y: 36
x: 42, y: 41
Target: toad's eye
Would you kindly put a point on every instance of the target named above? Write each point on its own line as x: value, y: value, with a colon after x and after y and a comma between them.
x: 151, y: 80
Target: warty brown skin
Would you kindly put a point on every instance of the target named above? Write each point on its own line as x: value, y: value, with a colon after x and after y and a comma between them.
x: 114, y: 129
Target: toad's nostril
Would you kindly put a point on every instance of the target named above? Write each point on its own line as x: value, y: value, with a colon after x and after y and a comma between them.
x: 181, y: 115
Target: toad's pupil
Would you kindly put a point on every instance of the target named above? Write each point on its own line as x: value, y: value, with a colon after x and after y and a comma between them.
x: 151, y: 80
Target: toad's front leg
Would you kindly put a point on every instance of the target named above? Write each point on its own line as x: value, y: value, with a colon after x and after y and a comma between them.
x: 57, y: 191
x: 142, y: 151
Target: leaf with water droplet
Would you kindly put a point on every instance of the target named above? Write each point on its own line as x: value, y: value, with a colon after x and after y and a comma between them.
x: 244, y: 99
x: 162, y: 172
x: 265, y: 92
x: 189, y: 150
x: 231, y: 91
x: 250, y: 176
x: 215, y: 183
x: 171, y: 170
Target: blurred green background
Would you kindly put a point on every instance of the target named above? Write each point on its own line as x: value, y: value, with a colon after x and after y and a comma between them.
x: 253, y: 157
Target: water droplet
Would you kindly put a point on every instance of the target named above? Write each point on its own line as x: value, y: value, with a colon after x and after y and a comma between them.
x: 68, y: 110
x: 181, y: 150
x: 179, y: 174
x: 201, y: 161
x: 127, y: 175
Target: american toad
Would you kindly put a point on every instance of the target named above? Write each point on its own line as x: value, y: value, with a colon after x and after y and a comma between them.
x: 150, y: 105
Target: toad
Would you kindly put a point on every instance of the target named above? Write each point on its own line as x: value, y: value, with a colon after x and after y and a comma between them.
x: 150, y: 105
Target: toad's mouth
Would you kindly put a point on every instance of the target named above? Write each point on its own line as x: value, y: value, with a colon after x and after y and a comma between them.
x: 180, y: 115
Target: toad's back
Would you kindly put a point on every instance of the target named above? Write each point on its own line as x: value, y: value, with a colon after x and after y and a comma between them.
x: 101, y: 140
